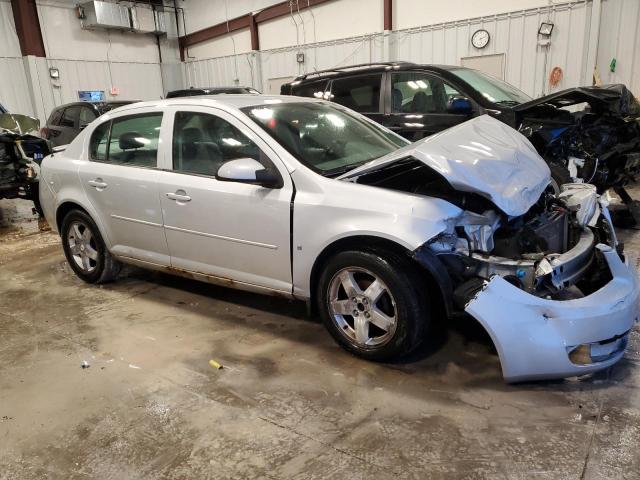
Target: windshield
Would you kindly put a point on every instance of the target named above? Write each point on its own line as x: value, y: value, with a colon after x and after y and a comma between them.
x: 491, y: 88
x: 323, y: 136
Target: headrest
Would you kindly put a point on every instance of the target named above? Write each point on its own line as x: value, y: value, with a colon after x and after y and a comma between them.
x: 132, y: 140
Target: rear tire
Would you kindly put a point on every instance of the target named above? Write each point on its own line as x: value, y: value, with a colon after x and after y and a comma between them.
x: 85, y: 249
x: 373, y: 303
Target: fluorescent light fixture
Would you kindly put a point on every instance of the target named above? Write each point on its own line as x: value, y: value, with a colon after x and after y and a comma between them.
x: 232, y: 142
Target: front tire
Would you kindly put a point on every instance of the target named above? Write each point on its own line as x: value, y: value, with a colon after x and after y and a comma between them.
x: 373, y: 303
x: 85, y: 249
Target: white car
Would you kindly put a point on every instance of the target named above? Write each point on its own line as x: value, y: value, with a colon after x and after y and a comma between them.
x: 306, y: 199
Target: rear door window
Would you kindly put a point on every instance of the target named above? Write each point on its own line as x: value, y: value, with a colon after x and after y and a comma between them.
x: 361, y: 93
x: 131, y: 140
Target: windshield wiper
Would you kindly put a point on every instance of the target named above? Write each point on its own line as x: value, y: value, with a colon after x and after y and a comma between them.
x: 508, y: 102
x: 336, y: 172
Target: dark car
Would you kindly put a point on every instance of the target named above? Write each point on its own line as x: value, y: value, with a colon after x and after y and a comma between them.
x: 67, y: 121
x: 599, y: 144
x: 193, y: 91
x: 21, y: 153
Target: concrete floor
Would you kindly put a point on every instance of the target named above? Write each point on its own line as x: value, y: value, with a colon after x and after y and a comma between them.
x: 289, y: 403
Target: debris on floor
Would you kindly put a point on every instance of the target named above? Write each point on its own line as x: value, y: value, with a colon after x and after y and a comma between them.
x: 215, y: 364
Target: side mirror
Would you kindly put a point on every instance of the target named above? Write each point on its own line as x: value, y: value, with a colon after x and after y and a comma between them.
x: 460, y: 105
x: 248, y: 170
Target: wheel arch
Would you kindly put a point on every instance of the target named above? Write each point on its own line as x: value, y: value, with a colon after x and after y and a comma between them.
x: 430, y: 268
x: 64, y: 208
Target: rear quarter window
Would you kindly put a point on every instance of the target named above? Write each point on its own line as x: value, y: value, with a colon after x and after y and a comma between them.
x: 54, y: 118
x: 130, y: 140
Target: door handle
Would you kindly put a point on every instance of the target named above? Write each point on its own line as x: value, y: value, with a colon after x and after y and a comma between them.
x: 98, y: 183
x: 179, y: 196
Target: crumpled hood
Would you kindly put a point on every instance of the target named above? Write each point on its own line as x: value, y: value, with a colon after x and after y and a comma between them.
x: 483, y: 156
x: 614, y: 98
x: 18, y: 124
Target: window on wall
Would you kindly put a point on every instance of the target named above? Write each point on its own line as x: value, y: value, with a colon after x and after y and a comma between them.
x: 416, y: 92
x: 361, y: 93
x: 131, y: 141
x: 202, y: 143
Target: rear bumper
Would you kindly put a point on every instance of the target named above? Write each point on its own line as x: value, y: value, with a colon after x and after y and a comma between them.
x: 535, y: 336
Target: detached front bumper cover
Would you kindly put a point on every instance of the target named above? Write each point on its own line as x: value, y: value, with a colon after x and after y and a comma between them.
x: 535, y: 336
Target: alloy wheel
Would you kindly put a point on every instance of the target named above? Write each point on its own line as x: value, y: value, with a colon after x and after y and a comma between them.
x: 362, y: 306
x: 82, y: 246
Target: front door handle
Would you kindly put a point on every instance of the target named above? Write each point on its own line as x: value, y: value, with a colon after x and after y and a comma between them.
x: 98, y: 183
x: 179, y: 196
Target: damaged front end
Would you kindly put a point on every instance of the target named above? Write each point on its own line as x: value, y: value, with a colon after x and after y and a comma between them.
x: 551, y: 287
x: 598, y: 144
x: 21, y: 152
x: 542, y: 272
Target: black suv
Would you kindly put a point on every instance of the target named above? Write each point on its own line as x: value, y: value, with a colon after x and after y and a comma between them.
x: 599, y: 144
x: 67, y: 121
x: 193, y: 91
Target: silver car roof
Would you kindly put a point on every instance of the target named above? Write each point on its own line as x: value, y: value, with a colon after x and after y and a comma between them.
x: 235, y: 101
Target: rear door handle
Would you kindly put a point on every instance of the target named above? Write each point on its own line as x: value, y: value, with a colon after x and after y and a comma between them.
x: 179, y: 196
x: 98, y: 183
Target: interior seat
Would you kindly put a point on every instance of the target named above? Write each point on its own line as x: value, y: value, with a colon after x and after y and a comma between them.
x: 197, y: 156
x: 422, y: 103
x: 396, y: 100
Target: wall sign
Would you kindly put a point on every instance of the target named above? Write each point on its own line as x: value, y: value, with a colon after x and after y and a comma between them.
x: 91, y: 95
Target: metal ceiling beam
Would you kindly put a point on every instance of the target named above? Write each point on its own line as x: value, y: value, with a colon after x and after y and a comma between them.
x: 25, y: 16
x: 253, y: 29
x: 388, y: 15
x: 275, y: 11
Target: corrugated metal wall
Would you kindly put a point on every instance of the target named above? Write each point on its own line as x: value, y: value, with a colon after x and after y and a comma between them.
x: 282, y: 62
x: 223, y: 71
x: 528, y: 64
x: 138, y: 80
x: 620, y: 39
x: 14, y: 92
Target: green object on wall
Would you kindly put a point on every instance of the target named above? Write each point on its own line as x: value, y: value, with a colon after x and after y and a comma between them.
x: 612, y: 65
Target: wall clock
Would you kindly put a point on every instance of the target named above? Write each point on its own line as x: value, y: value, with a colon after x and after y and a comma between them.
x: 480, y: 38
